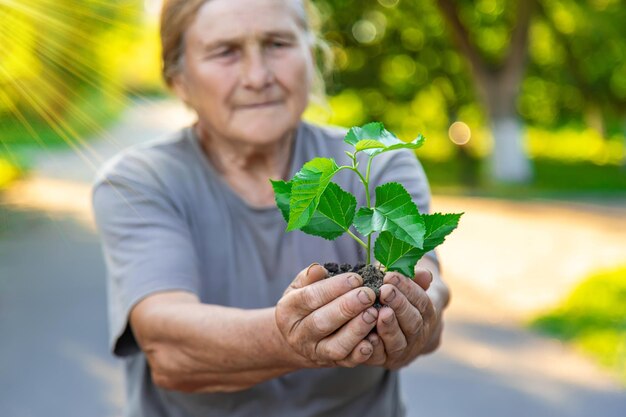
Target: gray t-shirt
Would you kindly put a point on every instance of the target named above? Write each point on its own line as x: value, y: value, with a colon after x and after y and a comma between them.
x: 168, y: 221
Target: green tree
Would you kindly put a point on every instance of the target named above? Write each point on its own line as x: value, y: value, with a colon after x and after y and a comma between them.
x: 542, y: 62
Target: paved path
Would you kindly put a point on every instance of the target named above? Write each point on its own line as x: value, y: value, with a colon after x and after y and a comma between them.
x: 505, y: 262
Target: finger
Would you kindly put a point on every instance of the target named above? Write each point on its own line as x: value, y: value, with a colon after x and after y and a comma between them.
x: 423, y: 277
x: 330, y: 317
x: 320, y: 293
x: 313, y: 273
x: 359, y: 355
x: 339, y: 345
x: 390, y: 333
x: 416, y: 295
x: 378, y: 356
x: 296, y: 306
x: 408, y: 316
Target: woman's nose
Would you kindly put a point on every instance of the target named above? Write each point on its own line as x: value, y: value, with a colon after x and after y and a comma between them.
x: 257, y: 73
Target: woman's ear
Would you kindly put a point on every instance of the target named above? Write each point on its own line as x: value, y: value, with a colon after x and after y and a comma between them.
x: 180, y: 88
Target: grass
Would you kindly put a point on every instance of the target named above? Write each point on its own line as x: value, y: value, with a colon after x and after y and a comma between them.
x: 593, y: 318
x: 552, y: 178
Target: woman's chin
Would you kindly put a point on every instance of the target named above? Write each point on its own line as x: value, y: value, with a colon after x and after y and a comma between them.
x: 266, y: 132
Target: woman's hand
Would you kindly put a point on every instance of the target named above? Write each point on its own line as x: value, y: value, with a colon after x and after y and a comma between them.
x: 408, y: 324
x: 327, y: 321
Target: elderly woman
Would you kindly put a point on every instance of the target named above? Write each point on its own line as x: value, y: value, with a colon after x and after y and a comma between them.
x: 211, y: 303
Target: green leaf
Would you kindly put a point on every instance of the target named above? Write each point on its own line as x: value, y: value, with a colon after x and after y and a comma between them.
x: 368, y: 144
x: 363, y: 221
x: 334, y: 213
x: 282, y: 194
x: 414, y: 144
x: 307, y: 186
x: 397, y: 255
x: 372, y: 131
x: 375, y: 132
x: 396, y: 213
x: 438, y: 226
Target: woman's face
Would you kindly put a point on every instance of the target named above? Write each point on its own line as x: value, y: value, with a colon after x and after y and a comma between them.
x: 247, y: 70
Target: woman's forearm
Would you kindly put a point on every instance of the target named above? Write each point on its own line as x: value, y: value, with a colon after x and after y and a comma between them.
x: 196, y: 347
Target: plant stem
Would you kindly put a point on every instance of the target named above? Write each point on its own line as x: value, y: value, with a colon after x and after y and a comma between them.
x: 367, y: 174
x: 367, y: 196
x: 366, y: 183
x: 355, y: 237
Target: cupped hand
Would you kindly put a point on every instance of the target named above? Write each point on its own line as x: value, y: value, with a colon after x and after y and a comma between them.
x: 407, y: 324
x: 327, y: 320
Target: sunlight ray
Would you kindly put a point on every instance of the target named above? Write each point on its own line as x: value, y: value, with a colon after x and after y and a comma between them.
x: 23, y: 120
x: 55, y: 125
x: 55, y: 6
x: 87, y: 120
x: 54, y: 115
x: 65, y: 51
x: 56, y: 79
x: 55, y: 22
x: 51, y: 85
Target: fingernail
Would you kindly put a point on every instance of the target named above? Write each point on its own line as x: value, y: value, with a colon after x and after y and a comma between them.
x: 391, y: 296
x: 366, y: 351
x: 429, y: 273
x: 373, y: 340
x: 368, y: 317
x: 354, y: 281
x: 309, y: 268
x: 364, y: 298
x: 389, y: 319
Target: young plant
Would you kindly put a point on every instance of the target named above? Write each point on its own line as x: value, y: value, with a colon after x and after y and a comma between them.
x: 312, y: 203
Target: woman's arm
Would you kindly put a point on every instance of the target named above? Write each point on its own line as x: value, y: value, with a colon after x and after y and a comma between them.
x: 195, y: 347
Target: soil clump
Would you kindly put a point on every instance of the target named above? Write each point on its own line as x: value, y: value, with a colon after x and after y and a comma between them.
x: 372, y: 276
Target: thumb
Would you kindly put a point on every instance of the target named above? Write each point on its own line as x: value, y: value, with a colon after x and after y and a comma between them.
x: 423, y: 278
x: 313, y: 273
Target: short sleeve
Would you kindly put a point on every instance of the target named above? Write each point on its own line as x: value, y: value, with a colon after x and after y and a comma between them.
x: 402, y: 166
x: 147, y: 248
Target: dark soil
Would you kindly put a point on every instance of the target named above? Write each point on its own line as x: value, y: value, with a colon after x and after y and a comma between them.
x: 372, y: 276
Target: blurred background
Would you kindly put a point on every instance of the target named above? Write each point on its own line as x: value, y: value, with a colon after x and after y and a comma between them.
x: 523, y: 104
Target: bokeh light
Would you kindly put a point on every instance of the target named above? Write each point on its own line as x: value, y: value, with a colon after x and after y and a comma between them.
x: 388, y: 3
x: 364, y: 31
x: 459, y: 133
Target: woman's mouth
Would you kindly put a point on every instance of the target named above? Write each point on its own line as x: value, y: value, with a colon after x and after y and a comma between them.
x: 260, y: 105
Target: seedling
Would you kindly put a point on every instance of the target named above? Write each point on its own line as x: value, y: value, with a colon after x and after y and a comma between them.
x: 312, y: 203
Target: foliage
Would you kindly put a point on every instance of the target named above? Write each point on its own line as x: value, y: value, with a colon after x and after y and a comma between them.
x: 8, y: 172
x: 396, y: 63
x: 60, y: 70
x: 312, y: 203
x: 554, y: 179
x: 593, y: 317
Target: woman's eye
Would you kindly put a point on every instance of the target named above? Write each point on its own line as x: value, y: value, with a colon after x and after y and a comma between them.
x: 222, y: 53
x: 278, y: 44
x: 225, y: 52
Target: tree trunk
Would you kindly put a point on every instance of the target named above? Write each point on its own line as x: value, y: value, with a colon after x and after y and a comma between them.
x: 498, y: 89
x: 509, y: 162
